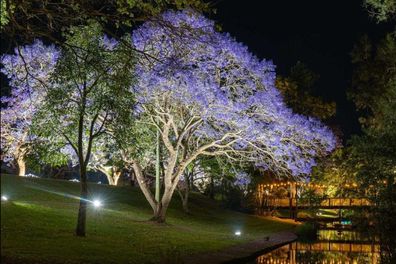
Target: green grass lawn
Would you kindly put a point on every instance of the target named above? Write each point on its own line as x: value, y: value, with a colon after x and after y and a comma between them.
x: 38, y: 221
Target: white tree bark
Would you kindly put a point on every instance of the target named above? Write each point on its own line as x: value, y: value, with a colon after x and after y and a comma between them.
x: 112, y: 173
x: 21, y: 166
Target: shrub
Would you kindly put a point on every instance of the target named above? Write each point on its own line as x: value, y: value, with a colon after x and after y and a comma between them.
x: 307, y: 230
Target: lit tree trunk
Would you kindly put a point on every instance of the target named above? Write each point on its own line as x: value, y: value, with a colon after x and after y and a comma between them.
x: 83, y: 162
x: 142, y: 184
x: 159, y: 208
x: 116, y: 176
x: 157, y: 169
x: 113, y: 174
x: 108, y: 174
x: 82, y: 211
x: 162, y: 206
x: 21, y: 166
x: 171, y: 180
x: 176, y: 164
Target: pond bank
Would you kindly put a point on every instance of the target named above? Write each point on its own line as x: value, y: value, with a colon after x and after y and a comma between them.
x: 244, y: 252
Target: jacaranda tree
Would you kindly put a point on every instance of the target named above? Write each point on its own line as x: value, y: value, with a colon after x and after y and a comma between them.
x: 28, y: 69
x: 208, y: 95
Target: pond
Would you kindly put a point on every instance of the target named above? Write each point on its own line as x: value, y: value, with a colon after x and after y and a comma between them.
x: 331, y: 246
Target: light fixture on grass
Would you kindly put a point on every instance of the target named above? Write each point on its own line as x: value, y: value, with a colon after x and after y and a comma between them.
x: 97, y: 203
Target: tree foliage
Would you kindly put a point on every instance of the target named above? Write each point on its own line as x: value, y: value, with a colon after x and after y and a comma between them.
x: 27, y: 69
x: 381, y: 10
x: 374, y: 91
x: 372, y: 156
x: 374, y: 79
x: 23, y: 21
x: 298, y: 92
x: 207, y: 95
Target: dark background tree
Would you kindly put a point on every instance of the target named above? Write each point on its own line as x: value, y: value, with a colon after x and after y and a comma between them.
x: 372, y: 156
x: 25, y: 20
x: 299, y: 89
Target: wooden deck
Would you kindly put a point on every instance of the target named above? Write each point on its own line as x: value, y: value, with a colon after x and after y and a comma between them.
x: 330, y: 203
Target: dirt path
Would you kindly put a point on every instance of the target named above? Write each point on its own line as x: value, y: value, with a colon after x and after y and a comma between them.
x: 244, y: 252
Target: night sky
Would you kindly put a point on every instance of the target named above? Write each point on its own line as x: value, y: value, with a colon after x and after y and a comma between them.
x: 321, y: 34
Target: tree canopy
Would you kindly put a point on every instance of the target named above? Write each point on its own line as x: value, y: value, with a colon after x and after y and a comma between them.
x: 208, y: 95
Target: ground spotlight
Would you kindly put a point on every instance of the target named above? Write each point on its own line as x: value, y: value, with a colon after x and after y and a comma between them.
x: 237, y: 233
x: 97, y: 203
x: 4, y: 198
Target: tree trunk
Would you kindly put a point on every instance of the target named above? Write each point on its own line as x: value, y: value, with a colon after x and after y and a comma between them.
x: 143, y: 186
x: 157, y: 169
x: 113, y: 175
x: 82, y: 211
x: 170, y: 183
x: 21, y: 166
x: 116, y: 176
x: 132, y: 177
x: 184, y: 194
x: 109, y: 178
x: 161, y: 208
x: 185, y: 201
x: 159, y: 214
x: 211, y: 188
x: 108, y: 174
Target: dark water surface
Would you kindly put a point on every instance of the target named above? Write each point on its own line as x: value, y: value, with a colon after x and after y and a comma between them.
x: 331, y: 247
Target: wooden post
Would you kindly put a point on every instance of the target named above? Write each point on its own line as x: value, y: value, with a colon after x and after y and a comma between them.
x: 293, y: 197
x: 293, y: 192
x: 290, y: 201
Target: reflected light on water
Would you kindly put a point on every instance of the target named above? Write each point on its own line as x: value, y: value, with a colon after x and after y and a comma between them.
x: 325, y: 252
x: 331, y: 247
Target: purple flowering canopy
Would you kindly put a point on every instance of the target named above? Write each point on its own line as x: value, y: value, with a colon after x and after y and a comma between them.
x: 211, y: 90
x: 31, y: 72
x: 28, y: 69
x: 208, y: 95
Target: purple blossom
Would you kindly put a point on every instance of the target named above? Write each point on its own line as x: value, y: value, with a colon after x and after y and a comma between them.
x: 109, y: 43
x: 28, y: 70
x: 188, y: 65
x: 242, y: 179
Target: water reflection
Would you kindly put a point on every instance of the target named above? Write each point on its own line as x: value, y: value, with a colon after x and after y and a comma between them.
x: 331, y: 247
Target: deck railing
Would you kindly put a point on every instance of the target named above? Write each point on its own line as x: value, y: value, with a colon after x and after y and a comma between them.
x: 328, y: 202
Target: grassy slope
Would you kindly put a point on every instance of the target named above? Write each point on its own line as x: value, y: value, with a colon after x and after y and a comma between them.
x: 38, y: 221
